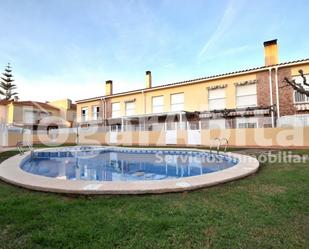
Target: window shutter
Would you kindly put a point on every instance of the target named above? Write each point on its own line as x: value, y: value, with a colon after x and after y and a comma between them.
x: 246, y: 90
x: 216, y: 99
x: 246, y: 96
x: 216, y: 93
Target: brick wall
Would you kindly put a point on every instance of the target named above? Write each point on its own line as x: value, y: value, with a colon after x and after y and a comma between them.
x: 285, y: 93
x: 286, y: 98
x: 263, y: 97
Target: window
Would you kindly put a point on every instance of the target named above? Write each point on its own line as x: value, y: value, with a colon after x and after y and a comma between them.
x: 115, y: 127
x: 247, y: 125
x: 217, y: 124
x: 298, y: 97
x: 30, y: 117
x: 95, y: 112
x: 44, y: 115
x: 84, y: 113
x: 130, y: 108
x: 247, y: 122
x: 115, y: 110
x: 177, y: 102
x: 246, y: 96
x: 157, y: 104
x: 216, y: 99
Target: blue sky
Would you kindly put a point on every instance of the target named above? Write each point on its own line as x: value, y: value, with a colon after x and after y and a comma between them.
x: 69, y: 48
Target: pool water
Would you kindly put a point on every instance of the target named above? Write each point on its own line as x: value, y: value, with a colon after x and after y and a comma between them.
x: 118, y: 164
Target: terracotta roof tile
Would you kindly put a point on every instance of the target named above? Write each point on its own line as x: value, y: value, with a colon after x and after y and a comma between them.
x: 35, y: 104
x: 5, y: 102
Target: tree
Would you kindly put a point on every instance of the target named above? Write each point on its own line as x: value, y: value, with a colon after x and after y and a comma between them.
x: 298, y: 87
x: 6, y: 84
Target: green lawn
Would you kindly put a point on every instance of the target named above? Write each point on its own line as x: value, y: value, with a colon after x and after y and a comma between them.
x: 266, y: 210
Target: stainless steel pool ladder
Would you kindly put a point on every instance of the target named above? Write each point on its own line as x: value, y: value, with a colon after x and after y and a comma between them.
x: 226, y: 143
x: 218, y: 142
x: 20, y: 146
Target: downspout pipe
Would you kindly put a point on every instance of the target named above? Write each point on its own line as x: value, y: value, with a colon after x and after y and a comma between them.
x: 144, y: 102
x: 104, y: 110
x: 277, y: 93
x: 271, y: 97
x: 144, y: 107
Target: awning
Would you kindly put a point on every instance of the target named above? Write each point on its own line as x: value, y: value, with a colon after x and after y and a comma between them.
x: 250, y: 111
x: 149, y: 115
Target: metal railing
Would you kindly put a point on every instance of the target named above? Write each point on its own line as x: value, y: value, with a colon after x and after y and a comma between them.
x: 21, y: 147
x: 218, y: 142
x: 226, y: 143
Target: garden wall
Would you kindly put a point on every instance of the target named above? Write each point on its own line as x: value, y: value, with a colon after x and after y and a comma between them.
x: 263, y: 137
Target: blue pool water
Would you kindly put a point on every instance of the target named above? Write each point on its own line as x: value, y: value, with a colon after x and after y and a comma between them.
x: 120, y: 164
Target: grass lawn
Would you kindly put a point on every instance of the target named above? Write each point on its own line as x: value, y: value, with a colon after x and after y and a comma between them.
x: 266, y: 210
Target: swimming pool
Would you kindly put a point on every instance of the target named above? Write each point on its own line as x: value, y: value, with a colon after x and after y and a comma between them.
x: 118, y: 164
x: 119, y: 170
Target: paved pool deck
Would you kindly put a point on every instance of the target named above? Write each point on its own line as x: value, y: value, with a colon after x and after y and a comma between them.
x: 11, y: 172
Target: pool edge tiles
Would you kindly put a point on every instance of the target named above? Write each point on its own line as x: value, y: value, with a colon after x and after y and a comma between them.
x: 11, y: 172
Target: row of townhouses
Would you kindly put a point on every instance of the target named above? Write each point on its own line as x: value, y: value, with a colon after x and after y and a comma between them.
x: 250, y: 98
x: 37, y: 115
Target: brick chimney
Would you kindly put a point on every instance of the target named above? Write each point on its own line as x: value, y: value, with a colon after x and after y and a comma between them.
x: 148, y: 79
x: 109, y: 87
x: 271, y: 52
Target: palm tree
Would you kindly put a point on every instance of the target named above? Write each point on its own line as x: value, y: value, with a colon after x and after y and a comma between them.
x: 6, y: 83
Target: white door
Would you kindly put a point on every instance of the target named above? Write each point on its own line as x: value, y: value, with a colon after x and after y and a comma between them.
x: 113, y: 135
x: 194, y: 137
x: 194, y: 134
x: 170, y: 133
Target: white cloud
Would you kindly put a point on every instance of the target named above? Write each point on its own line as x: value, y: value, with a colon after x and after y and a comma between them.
x: 230, y: 14
x: 230, y: 52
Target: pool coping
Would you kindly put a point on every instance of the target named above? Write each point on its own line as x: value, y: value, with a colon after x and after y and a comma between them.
x: 11, y: 172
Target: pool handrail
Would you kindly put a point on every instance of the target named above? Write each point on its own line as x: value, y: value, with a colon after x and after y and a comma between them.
x: 226, y: 143
x: 212, y: 145
x: 20, y: 146
x: 219, y: 143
